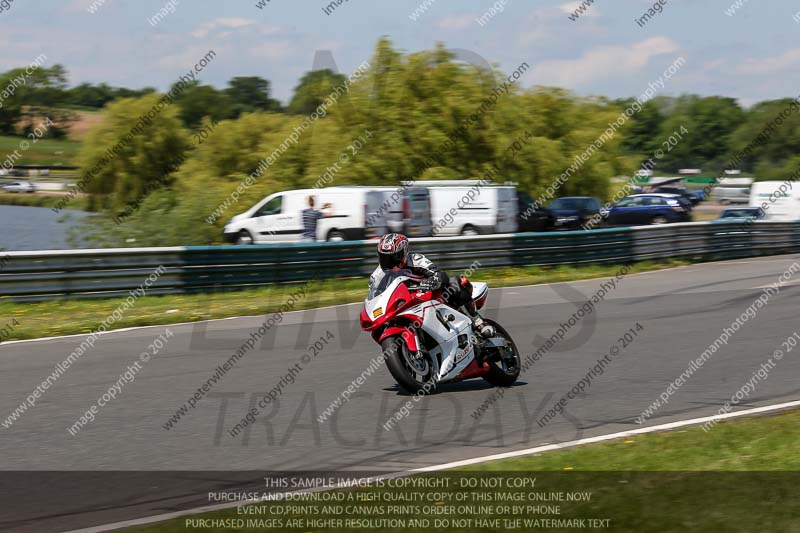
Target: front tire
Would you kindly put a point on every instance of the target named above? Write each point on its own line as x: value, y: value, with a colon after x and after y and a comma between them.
x: 412, y: 375
x: 504, y: 368
x: 659, y: 220
x: 244, y: 237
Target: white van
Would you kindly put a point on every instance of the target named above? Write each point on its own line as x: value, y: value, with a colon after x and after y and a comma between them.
x: 405, y: 210
x: 355, y: 213
x: 780, y: 200
x: 471, y: 207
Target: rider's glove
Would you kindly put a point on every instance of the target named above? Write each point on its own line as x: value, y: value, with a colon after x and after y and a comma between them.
x: 430, y: 284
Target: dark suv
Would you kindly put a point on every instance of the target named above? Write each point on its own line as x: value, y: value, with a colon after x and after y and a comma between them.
x: 531, y: 217
x: 572, y: 212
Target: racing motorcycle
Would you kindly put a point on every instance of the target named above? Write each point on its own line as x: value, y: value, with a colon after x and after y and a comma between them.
x: 425, y: 342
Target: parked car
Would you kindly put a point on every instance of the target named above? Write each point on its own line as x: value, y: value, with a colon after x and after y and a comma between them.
x: 471, y: 207
x: 650, y: 208
x: 531, y: 217
x: 355, y: 213
x: 731, y: 195
x: 686, y: 194
x: 741, y: 214
x: 19, y: 186
x: 572, y: 212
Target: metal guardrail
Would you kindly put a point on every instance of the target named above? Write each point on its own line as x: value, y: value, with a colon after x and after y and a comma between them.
x: 45, y: 275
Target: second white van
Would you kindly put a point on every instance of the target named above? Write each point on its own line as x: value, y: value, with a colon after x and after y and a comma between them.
x: 471, y: 207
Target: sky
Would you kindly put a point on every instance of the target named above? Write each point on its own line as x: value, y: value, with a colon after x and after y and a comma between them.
x: 751, y: 54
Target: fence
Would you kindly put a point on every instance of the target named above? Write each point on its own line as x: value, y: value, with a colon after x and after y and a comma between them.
x: 47, y: 275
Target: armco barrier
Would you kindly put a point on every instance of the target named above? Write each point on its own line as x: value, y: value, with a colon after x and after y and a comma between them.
x: 114, y: 272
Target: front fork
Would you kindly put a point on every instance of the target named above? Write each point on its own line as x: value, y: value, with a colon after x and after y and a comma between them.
x: 420, y: 353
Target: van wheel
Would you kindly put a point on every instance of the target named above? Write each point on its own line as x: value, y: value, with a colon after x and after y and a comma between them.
x: 724, y: 202
x: 335, y: 236
x: 469, y: 231
x: 244, y: 237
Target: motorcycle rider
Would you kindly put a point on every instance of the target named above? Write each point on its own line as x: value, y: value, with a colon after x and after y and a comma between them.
x: 393, y: 252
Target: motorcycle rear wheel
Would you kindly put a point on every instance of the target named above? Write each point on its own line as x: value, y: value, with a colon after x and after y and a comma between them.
x: 503, y: 368
x: 412, y: 377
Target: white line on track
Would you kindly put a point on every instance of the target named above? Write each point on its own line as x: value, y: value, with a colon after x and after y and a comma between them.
x: 456, y: 464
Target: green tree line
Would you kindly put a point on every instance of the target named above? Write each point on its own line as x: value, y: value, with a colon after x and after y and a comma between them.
x: 414, y: 105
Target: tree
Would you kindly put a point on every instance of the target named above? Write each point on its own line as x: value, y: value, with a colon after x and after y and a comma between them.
x: 312, y: 90
x: 767, y: 147
x: 641, y: 136
x: 711, y: 122
x: 248, y: 94
x: 11, y: 111
x: 89, y: 95
x: 120, y: 160
x: 541, y: 133
x: 197, y: 101
x: 41, y: 95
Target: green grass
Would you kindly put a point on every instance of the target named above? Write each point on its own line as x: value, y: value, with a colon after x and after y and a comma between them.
x: 42, y: 152
x: 740, y: 476
x: 751, y: 444
x: 44, y: 319
x: 704, y: 216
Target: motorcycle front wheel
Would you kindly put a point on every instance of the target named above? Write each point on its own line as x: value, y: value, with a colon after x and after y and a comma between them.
x: 412, y: 374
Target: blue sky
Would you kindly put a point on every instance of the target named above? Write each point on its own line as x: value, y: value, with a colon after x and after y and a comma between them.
x: 752, y: 55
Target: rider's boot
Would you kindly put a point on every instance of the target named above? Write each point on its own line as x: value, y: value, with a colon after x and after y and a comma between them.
x: 479, y: 325
x: 483, y: 328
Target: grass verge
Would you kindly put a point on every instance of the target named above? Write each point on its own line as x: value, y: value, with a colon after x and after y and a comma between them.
x: 44, y: 319
x: 42, y: 152
x: 761, y: 443
x: 740, y: 476
x: 42, y: 200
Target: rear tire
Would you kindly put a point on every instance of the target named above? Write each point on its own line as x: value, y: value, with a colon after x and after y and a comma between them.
x: 400, y: 367
x: 335, y: 236
x: 659, y: 220
x: 469, y: 231
x: 503, y: 368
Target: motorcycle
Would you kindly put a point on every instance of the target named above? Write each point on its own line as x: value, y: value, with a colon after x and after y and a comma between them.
x: 425, y: 342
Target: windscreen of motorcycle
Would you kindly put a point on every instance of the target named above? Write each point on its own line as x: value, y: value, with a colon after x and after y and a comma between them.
x: 388, y: 279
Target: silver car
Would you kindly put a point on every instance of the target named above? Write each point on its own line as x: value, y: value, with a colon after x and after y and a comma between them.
x: 18, y: 186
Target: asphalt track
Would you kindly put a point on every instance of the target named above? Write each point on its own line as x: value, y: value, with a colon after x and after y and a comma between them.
x: 681, y: 310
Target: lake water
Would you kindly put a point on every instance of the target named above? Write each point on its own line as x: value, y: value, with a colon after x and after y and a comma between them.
x: 36, y: 228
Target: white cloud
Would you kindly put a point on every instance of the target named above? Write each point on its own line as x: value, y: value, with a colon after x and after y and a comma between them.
x: 570, y: 7
x: 204, y: 30
x: 601, y: 62
x: 456, y: 22
x: 788, y: 61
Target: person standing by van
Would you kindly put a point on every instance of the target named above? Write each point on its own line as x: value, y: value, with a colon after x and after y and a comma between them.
x: 310, y: 218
